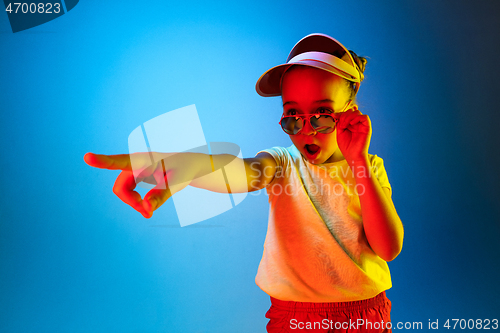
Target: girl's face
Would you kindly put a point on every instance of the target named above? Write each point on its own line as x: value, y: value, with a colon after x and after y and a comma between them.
x: 307, y: 90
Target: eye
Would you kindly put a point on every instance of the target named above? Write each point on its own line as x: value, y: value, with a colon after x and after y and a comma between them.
x: 324, y: 111
x: 291, y: 112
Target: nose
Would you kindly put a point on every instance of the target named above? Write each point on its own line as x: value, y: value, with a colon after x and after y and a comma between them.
x: 307, y: 129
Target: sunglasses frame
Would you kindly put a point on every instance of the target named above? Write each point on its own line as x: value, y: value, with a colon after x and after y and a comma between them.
x: 307, y: 117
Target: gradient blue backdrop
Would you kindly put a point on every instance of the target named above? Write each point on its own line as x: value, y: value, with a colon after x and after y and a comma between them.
x: 74, y: 258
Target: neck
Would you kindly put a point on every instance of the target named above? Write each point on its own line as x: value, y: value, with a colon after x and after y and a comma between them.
x: 336, y: 157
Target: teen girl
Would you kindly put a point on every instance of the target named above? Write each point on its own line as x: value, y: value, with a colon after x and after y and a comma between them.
x: 332, y: 223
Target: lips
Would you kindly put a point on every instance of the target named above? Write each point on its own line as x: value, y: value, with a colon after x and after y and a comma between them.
x: 311, y: 150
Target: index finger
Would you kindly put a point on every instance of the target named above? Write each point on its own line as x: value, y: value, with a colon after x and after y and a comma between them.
x: 111, y: 162
x: 339, y: 115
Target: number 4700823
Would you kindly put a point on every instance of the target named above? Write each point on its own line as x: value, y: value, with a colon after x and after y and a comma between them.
x: 40, y: 8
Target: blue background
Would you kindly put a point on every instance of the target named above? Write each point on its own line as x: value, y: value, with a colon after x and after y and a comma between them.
x: 74, y: 258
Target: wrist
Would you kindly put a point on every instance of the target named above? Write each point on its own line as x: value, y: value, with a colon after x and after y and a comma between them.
x: 362, y: 160
x: 360, y: 168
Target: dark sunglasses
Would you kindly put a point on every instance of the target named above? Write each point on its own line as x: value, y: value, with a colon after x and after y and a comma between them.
x: 321, y: 123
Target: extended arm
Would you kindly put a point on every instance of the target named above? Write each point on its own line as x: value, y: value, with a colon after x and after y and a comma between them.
x: 173, y: 172
x: 240, y: 175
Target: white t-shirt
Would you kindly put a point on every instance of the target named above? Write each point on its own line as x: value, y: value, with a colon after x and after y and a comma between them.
x: 315, y: 248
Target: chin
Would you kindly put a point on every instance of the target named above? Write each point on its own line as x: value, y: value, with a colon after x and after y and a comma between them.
x: 314, y: 159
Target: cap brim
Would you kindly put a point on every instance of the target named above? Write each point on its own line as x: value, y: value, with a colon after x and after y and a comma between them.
x: 269, y: 84
x: 315, y: 50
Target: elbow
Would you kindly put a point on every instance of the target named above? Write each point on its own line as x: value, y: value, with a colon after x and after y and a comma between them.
x: 387, y: 243
x: 393, y: 251
x: 391, y: 255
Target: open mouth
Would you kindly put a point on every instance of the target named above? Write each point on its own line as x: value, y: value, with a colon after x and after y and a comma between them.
x: 312, y: 149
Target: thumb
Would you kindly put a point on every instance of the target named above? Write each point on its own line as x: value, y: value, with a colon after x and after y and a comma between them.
x: 149, y: 206
x: 155, y: 198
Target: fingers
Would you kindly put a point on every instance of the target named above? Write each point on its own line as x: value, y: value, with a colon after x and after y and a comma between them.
x: 159, y: 194
x: 363, y: 122
x: 124, y: 189
x: 126, y: 182
x: 354, y: 121
x: 111, y: 162
x: 154, y: 199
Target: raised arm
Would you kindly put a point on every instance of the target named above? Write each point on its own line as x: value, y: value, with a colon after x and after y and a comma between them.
x: 381, y: 222
x: 172, y: 172
x: 382, y: 225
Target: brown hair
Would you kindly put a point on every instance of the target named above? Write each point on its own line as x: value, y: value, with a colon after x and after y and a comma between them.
x: 361, y: 65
